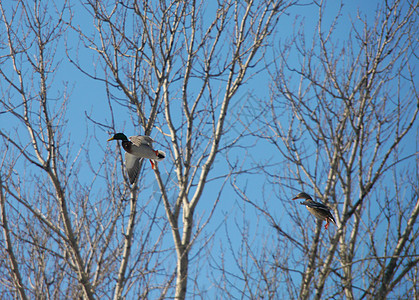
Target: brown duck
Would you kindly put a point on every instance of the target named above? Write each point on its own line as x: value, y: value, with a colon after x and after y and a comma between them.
x: 317, y: 209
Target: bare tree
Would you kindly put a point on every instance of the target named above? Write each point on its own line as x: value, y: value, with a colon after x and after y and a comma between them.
x: 172, y: 66
x: 343, y: 118
x: 62, y: 234
x: 179, y: 67
x: 31, y: 38
x: 340, y: 119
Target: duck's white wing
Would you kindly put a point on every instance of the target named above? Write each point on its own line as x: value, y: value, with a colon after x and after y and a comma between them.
x: 132, y: 164
x: 142, y: 140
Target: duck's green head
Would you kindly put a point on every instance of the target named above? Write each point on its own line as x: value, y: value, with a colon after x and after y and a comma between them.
x: 119, y: 136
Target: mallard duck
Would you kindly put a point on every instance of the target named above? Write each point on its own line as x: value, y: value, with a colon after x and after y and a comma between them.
x: 138, y: 147
x: 317, y: 209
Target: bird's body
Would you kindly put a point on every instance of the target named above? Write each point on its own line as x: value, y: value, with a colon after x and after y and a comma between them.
x: 141, y: 146
x: 136, y: 148
x: 317, y: 209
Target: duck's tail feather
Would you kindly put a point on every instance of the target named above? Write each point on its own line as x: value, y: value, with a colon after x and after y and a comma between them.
x: 160, y: 155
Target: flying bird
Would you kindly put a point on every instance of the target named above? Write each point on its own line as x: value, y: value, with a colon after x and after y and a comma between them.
x: 317, y: 209
x: 138, y: 147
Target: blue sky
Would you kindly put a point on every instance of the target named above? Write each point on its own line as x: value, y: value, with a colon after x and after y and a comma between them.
x: 88, y: 97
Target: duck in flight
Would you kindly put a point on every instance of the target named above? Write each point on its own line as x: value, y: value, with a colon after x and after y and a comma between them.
x: 138, y: 147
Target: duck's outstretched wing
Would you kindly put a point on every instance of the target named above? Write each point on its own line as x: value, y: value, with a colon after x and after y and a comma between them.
x: 132, y: 164
x: 142, y: 140
x: 316, y: 205
x: 320, y: 206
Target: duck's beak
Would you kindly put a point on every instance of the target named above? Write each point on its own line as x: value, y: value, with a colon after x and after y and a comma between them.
x: 295, y: 198
x: 111, y: 139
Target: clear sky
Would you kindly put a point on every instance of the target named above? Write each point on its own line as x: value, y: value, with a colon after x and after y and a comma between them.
x: 88, y: 97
